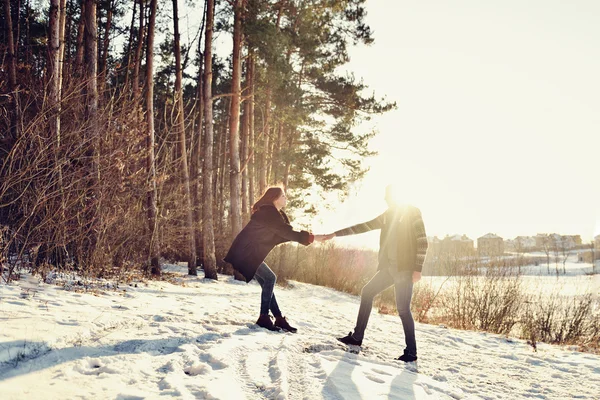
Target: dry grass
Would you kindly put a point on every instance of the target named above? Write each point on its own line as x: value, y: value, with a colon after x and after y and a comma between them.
x: 490, y: 299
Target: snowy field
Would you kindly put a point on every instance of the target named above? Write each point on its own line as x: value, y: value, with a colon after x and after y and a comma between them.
x: 198, y: 341
x: 577, y: 278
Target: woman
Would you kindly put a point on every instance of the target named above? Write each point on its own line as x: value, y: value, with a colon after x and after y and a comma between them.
x: 268, y: 227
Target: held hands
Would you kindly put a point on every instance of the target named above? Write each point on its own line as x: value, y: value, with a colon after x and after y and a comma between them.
x: 324, y: 238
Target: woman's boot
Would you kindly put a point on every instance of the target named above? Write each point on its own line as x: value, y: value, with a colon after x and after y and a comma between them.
x: 264, y: 321
x: 282, y: 323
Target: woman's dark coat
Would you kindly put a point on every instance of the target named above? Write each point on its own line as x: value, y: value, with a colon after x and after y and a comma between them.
x: 267, y: 228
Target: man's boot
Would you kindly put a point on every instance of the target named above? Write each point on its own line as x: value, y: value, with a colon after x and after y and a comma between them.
x: 350, y: 340
x: 407, y: 357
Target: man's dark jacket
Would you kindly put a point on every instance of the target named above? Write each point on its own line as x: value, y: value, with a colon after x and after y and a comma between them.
x: 267, y: 228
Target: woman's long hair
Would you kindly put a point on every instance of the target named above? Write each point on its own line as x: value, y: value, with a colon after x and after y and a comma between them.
x: 270, y: 195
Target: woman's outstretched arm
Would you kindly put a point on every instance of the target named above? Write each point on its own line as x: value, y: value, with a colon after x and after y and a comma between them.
x: 275, y: 223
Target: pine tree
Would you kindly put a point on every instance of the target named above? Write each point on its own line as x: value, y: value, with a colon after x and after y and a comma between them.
x: 180, y: 129
x: 210, y: 262
x: 151, y: 206
x: 12, y: 72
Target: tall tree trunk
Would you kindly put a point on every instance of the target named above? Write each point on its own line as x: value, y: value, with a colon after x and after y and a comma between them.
x: 54, y: 75
x: 180, y: 129
x: 105, y: 45
x: 69, y: 21
x: 197, y: 157
x: 12, y: 72
x: 251, y: 163
x: 128, y: 57
x: 53, y: 54
x: 268, y: 154
x: 221, y: 200
x: 17, y: 28
x: 288, y: 160
x: 150, y: 163
x: 293, y: 133
x: 267, y: 121
x: 266, y: 145
x: 270, y: 159
x: 27, y: 31
x: 217, y: 187
x: 277, y: 161
x: 56, y: 48
x: 244, y: 154
x: 138, y: 55
x: 80, y: 38
x: 208, y: 234
x: 91, y: 62
x: 61, y: 72
x: 61, y: 46
x: 234, y: 124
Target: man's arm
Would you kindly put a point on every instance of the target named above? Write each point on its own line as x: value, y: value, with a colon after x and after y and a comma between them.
x: 421, y: 236
x: 375, y: 223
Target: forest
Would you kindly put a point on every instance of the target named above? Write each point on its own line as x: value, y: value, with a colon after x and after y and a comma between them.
x: 124, y: 141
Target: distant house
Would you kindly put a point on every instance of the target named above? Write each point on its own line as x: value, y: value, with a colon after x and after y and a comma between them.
x: 524, y: 243
x: 460, y: 244
x: 490, y: 245
x: 434, y: 245
x: 456, y: 244
x: 554, y: 241
x: 542, y: 240
x: 547, y: 241
x: 570, y: 241
x: 576, y: 239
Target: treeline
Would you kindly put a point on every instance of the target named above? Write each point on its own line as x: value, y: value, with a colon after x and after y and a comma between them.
x: 120, y: 143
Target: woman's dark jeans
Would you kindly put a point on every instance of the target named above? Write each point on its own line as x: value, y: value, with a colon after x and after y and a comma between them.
x: 266, y: 279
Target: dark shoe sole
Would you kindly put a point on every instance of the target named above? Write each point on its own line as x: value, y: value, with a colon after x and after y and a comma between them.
x: 349, y: 344
x: 406, y: 361
x: 272, y: 329
x: 289, y: 330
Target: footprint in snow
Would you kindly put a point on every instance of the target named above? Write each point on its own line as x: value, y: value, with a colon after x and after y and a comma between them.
x: 196, y: 369
x: 68, y: 323
x: 246, y: 331
x: 129, y: 346
x: 381, y: 372
x: 317, y: 348
x: 209, y: 337
x: 213, y: 362
x: 93, y: 366
x: 17, y: 303
x: 374, y: 378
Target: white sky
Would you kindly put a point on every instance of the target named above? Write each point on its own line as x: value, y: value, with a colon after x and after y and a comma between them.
x: 497, y: 122
x: 498, y: 116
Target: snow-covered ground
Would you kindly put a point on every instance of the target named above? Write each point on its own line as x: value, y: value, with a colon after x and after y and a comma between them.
x: 198, y: 341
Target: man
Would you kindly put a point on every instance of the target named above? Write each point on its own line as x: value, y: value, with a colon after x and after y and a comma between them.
x: 402, y: 249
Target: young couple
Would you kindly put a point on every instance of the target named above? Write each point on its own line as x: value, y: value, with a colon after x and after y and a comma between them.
x: 403, y: 244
